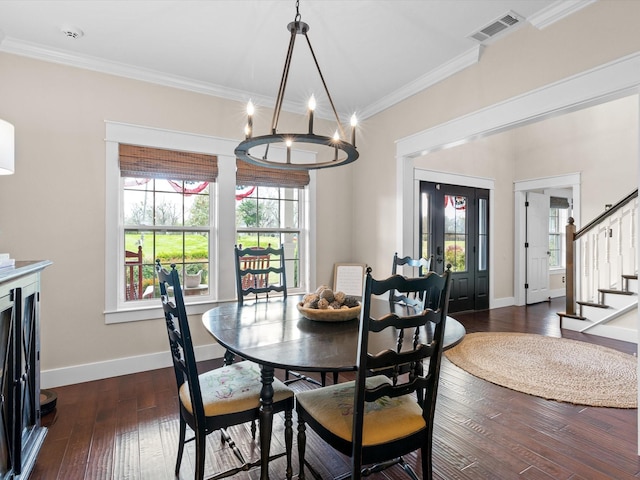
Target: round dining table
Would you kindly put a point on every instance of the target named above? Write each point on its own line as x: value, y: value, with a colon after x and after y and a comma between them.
x: 274, y: 334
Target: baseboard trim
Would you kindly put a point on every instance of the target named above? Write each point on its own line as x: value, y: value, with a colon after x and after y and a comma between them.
x: 558, y: 292
x: 502, y: 302
x: 59, y: 377
x: 608, y: 331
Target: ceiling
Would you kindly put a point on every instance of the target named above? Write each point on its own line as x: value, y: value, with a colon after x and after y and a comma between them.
x: 372, y: 54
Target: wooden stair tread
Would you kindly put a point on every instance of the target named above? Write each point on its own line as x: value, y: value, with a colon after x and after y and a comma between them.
x: 630, y: 276
x: 577, y: 317
x: 591, y: 304
x: 616, y: 292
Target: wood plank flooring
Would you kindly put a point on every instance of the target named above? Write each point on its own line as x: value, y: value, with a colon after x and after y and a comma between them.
x: 126, y: 427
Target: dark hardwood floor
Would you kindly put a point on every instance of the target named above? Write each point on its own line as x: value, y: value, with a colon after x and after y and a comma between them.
x: 126, y: 427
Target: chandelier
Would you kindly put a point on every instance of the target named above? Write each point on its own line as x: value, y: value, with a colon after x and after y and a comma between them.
x: 341, y: 151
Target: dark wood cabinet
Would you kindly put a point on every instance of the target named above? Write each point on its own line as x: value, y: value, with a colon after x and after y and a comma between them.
x: 21, y: 433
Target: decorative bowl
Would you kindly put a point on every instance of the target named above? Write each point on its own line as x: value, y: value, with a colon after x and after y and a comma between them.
x: 329, y: 314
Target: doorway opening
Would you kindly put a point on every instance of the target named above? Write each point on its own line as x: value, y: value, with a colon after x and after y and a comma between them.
x: 524, y: 273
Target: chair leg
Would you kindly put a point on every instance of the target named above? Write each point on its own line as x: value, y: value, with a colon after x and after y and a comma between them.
x: 323, y: 378
x: 288, y: 440
x: 335, y: 377
x: 302, y: 441
x: 181, y: 435
x: 228, y: 358
x: 427, y: 462
x: 201, y: 445
x: 407, y: 468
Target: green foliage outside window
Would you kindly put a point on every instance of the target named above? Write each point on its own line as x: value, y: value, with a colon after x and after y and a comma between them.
x: 455, y: 255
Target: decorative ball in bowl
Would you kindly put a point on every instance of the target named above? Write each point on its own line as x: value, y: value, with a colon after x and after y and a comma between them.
x: 324, y: 305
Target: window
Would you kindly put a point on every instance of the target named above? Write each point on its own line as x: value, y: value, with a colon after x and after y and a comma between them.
x: 557, y: 221
x: 166, y: 205
x: 269, y: 212
x: 271, y: 216
x: 217, y: 237
x: 166, y: 220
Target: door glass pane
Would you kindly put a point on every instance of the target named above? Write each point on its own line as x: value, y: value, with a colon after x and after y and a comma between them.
x: 455, y: 232
x: 426, y: 233
x: 483, y: 234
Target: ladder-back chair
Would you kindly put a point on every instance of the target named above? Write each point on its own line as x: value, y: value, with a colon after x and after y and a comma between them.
x: 376, y: 420
x: 133, y: 272
x: 255, y: 269
x: 419, y: 266
x: 219, y: 398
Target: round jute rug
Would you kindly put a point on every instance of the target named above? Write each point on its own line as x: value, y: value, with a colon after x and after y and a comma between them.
x: 552, y: 368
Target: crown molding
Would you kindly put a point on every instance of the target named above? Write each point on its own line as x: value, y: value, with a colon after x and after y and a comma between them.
x: 40, y: 52
x: 557, y: 11
x: 470, y: 57
x: 615, y: 79
x: 87, y: 62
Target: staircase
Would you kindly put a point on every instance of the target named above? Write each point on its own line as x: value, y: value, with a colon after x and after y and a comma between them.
x: 608, y: 294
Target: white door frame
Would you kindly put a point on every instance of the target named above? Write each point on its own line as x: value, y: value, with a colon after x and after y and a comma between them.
x: 571, y: 181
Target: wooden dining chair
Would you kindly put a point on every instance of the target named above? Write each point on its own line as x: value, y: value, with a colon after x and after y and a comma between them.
x: 219, y: 398
x: 376, y: 419
x: 419, y: 266
x: 254, y: 269
x: 133, y: 273
x: 260, y: 271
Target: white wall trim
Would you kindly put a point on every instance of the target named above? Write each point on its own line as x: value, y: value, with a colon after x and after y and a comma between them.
x: 468, y: 58
x: 58, y: 377
x: 422, y: 174
x: 612, y: 80
x: 557, y: 11
x: 520, y: 189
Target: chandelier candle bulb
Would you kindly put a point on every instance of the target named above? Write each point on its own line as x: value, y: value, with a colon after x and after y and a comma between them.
x: 250, y: 111
x: 288, y: 143
x: 312, y: 107
x: 354, y: 123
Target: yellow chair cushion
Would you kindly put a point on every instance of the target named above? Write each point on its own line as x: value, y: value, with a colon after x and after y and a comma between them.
x: 385, y: 420
x: 232, y: 388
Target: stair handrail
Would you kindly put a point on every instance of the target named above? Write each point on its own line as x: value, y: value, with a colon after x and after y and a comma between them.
x: 571, y: 236
x: 607, y: 213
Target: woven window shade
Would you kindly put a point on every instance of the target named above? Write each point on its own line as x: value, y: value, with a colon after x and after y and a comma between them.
x: 149, y: 162
x: 558, y: 202
x: 249, y: 174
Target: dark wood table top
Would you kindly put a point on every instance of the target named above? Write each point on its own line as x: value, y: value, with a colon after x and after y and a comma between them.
x: 274, y: 333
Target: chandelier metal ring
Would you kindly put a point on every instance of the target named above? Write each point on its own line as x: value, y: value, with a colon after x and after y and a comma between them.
x: 242, y: 150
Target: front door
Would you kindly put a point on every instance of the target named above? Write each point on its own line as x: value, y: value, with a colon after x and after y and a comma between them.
x: 454, y: 230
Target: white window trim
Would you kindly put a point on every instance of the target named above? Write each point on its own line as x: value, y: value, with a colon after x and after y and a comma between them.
x: 223, y: 232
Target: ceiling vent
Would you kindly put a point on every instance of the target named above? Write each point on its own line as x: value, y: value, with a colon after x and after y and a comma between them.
x: 498, y: 27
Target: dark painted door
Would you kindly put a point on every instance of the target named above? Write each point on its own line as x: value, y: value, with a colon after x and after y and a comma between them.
x: 454, y: 229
